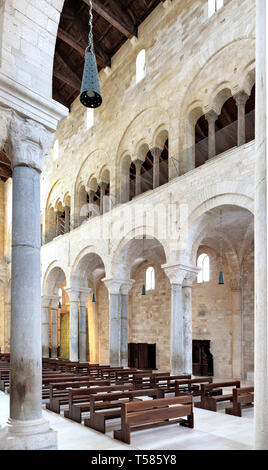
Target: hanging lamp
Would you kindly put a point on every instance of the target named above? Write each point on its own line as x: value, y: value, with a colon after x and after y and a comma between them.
x: 221, y: 277
x: 90, y: 94
x: 93, y: 298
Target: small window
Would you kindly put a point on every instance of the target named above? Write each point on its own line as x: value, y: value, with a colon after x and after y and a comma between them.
x: 213, y: 6
x: 141, y: 66
x: 60, y: 297
x: 150, y: 279
x: 90, y: 118
x: 203, y: 263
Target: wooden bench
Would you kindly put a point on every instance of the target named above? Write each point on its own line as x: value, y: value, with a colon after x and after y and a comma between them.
x: 167, y: 383
x: 104, y: 406
x: 191, y: 386
x: 209, y: 401
x: 136, y: 416
x: 147, y: 380
x: 59, y: 393
x: 242, y: 398
x: 79, y: 403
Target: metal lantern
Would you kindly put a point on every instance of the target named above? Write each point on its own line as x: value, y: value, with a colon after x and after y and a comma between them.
x: 93, y: 298
x: 90, y: 94
x: 143, y: 292
x: 221, y: 278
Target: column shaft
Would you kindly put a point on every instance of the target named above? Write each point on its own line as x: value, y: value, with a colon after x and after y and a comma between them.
x: 67, y: 220
x: 176, y: 331
x: 211, y: 118
x: 187, y: 328
x: 73, y: 355
x: 237, y: 334
x: 114, y: 337
x: 82, y: 333
x: 138, y: 165
x: 45, y: 332
x: 123, y: 330
x: 26, y: 361
x: 54, y: 342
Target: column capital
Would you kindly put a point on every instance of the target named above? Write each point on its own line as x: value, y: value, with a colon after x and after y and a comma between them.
x: 28, y: 142
x: 84, y: 293
x: 73, y: 294
x: 138, y: 162
x: 5, y: 118
x: 241, y: 98
x: 45, y: 301
x: 54, y: 304
x: 179, y: 272
x: 156, y: 152
x: 113, y: 285
x: 126, y: 286
x: 211, y: 116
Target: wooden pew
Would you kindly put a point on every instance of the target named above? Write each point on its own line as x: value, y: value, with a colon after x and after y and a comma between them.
x: 136, y: 416
x: 191, y: 386
x: 105, y: 406
x: 60, y: 378
x: 167, y: 383
x: 146, y: 380
x: 242, y: 398
x: 209, y: 400
x: 79, y: 403
x: 59, y: 393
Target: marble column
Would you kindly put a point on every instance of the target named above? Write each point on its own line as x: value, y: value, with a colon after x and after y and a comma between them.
x: 45, y: 326
x: 156, y: 153
x: 83, y: 325
x: 235, y: 285
x: 187, y: 321
x: 54, y: 305
x: 124, y: 291
x: 27, y: 429
x: 103, y: 187
x: 211, y: 117
x: 138, y: 164
x: 241, y: 99
x: 58, y: 216
x: 73, y: 323
x: 261, y: 301
x: 113, y: 287
x: 67, y: 219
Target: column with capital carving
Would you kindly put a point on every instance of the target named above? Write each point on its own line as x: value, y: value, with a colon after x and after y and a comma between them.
x: 113, y: 287
x: 156, y: 153
x: 45, y: 326
x: 187, y: 320
x: 73, y: 323
x: 124, y: 291
x: 211, y: 117
x: 241, y: 99
x: 27, y: 145
x: 235, y: 285
x: 138, y: 164
x: 83, y: 324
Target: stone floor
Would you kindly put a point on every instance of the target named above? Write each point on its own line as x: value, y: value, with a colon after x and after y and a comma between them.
x: 212, y: 431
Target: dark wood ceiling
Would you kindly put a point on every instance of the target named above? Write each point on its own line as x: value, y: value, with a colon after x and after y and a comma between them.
x: 114, y: 22
x: 5, y: 167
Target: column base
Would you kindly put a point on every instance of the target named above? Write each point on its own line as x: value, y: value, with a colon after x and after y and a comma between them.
x: 28, y: 435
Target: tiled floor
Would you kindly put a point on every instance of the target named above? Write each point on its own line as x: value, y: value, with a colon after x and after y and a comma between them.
x: 212, y: 431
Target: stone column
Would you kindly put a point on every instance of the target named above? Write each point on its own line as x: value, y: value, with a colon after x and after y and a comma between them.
x: 187, y: 321
x: 113, y: 287
x: 156, y: 153
x: 103, y: 187
x: 235, y: 285
x: 124, y: 291
x: 138, y: 164
x: 45, y: 326
x: 83, y: 325
x: 54, y: 305
x: 58, y: 216
x: 241, y: 99
x: 27, y: 429
x: 73, y: 327
x: 211, y: 117
x: 261, y: 302
x: 67, y: 219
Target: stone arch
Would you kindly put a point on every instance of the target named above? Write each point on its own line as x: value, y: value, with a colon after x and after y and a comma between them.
x: 54, y: 276
x: 88, y: 265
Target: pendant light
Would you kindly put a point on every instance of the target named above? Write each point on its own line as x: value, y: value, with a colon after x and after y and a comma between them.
x: 143, y: 291
x: 90, y: 94
x: 221, y: 278
x: 93, y: 298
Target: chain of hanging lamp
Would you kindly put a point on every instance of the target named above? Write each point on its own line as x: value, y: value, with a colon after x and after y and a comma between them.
x: 90, y: 46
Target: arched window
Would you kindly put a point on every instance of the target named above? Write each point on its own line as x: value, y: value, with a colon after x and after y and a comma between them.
x: 203, y: 263
x: 140, y: 66
x: 150, y: 278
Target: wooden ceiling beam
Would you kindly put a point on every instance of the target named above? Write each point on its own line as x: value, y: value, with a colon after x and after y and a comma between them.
x: 5, y: 172
x: 67, y: 79
x: 122, y: 24
x: 66, y: 62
